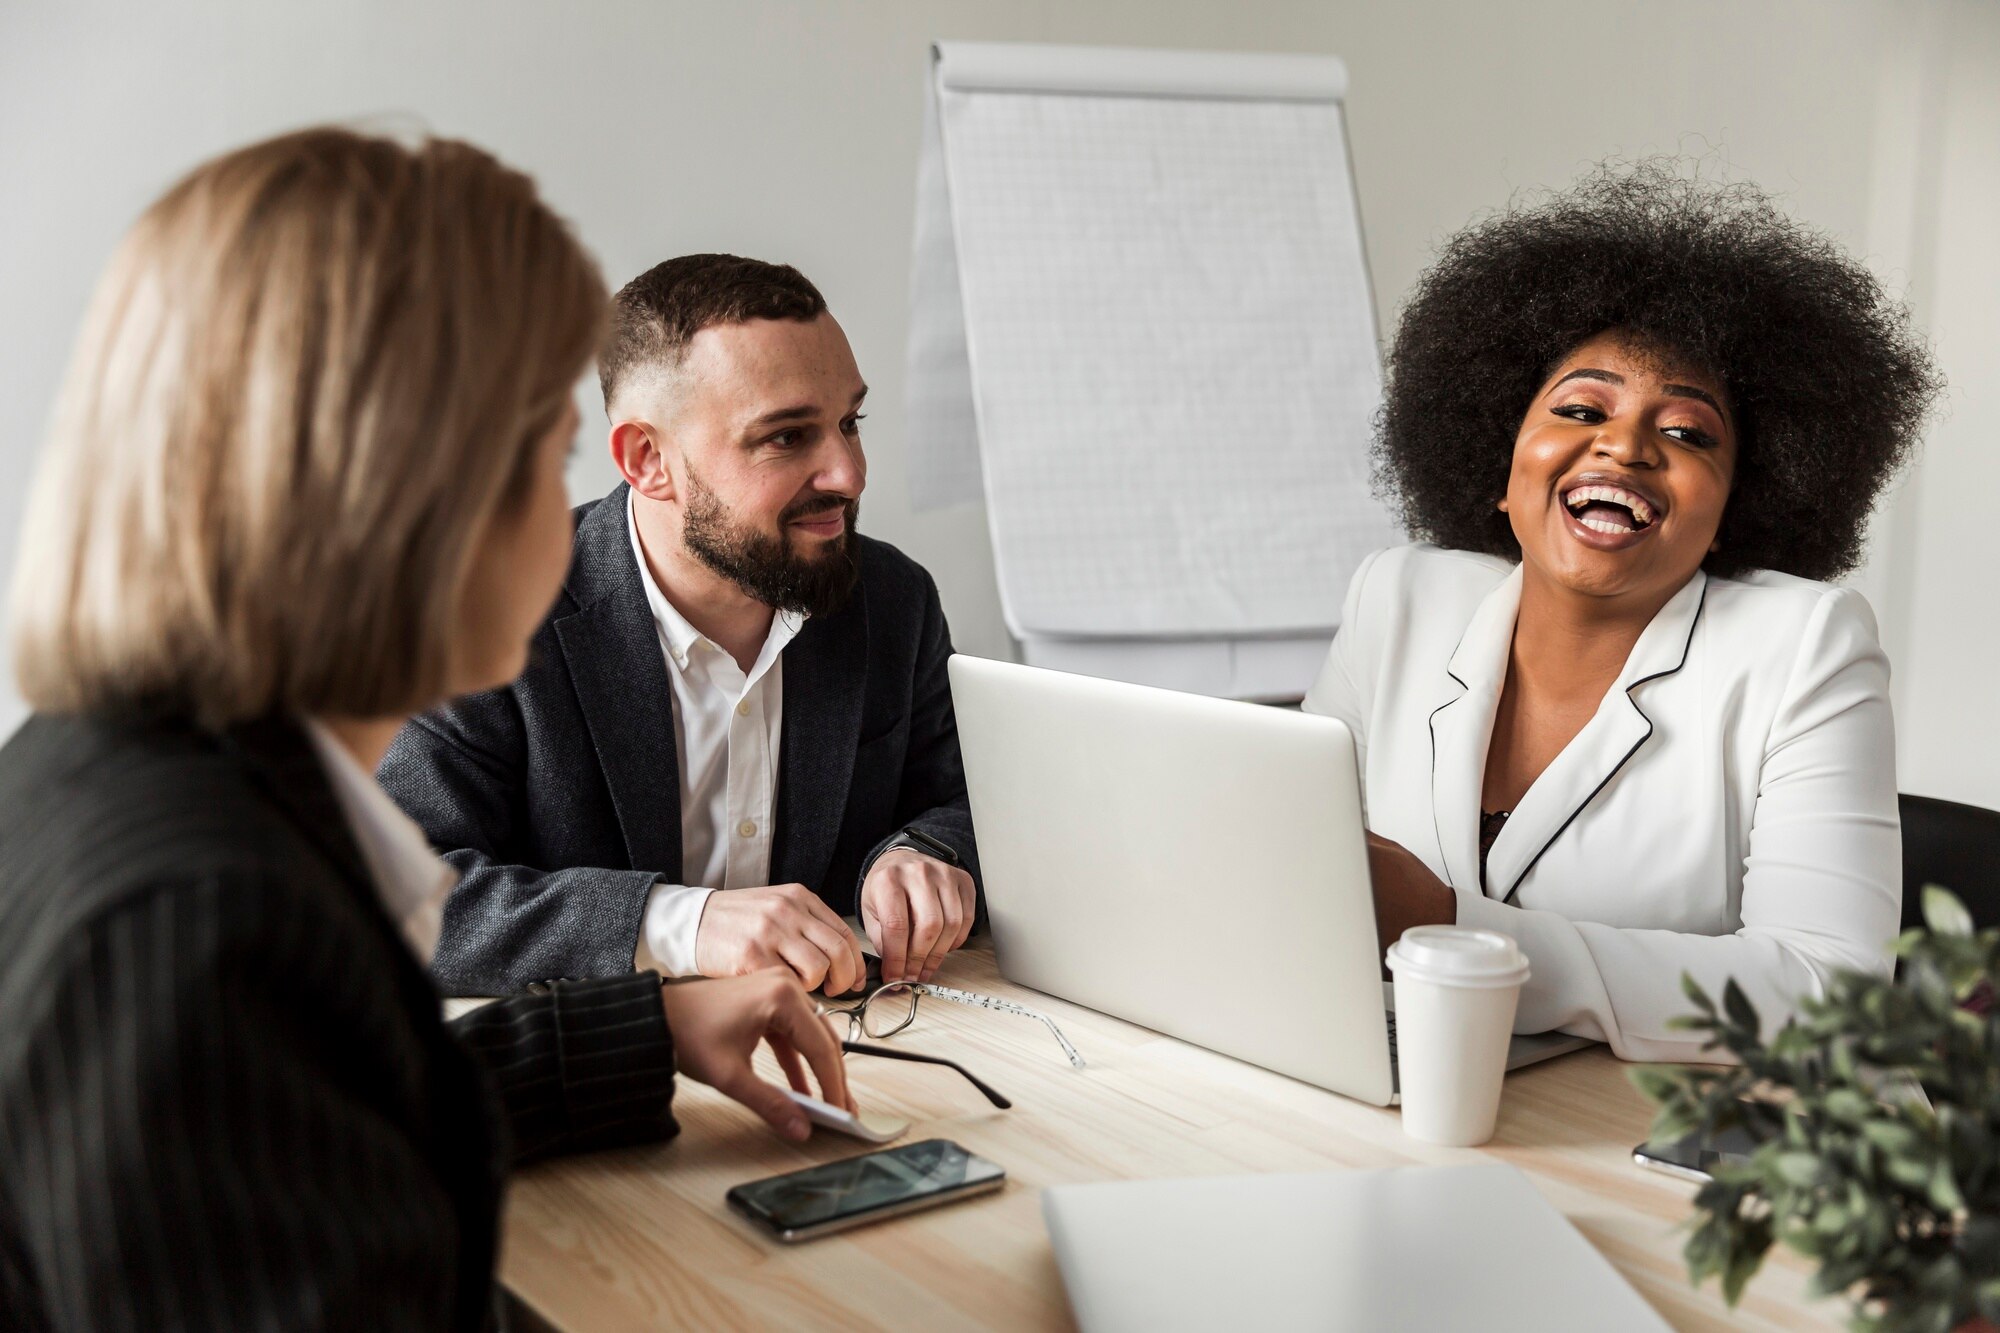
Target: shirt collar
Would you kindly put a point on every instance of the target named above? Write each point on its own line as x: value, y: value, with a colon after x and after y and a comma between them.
x: 676, y: 633
x: 410, y: 878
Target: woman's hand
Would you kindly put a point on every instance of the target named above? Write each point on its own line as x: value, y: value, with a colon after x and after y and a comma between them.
x: 717, y: 1025
x: 1406, y: 892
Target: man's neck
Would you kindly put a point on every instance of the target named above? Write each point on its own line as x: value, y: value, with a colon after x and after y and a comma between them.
x: 720, y: 610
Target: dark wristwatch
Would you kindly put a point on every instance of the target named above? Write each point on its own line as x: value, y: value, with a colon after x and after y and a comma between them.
x: 919, y: 841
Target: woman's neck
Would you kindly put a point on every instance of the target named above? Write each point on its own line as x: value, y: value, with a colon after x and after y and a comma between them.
x: 1567, y: 636
x: 1568, y: 650
x: 366, y: 738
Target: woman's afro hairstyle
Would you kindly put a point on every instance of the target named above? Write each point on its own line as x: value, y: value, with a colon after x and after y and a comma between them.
x: 1828, y: 384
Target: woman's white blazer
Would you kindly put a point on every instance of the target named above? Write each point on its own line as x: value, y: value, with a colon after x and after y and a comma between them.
x: 1729, y: 810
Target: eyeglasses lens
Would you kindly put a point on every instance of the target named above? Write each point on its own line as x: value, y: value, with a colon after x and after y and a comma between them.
x: 889, y: 1011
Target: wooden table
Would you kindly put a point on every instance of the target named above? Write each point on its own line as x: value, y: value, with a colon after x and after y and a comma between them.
x: 641, y: 1238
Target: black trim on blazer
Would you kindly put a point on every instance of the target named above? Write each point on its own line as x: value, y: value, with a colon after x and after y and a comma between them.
x: 1686, y: 643
x: 1430, y: 724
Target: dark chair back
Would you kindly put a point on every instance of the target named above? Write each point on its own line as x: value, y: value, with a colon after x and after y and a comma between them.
x: 1957, y: 846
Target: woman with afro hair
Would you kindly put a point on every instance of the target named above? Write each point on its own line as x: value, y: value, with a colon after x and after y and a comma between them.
x: 1610, y: 705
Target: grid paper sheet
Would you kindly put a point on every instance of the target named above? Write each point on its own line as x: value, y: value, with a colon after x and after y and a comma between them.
x: 1142, y: 329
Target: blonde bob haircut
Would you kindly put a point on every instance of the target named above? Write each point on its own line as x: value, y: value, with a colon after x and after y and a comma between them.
x: 311, y: 378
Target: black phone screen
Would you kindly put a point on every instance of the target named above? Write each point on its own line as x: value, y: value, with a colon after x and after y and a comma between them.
x: 862, y: 1184
x: 1697, y: 1154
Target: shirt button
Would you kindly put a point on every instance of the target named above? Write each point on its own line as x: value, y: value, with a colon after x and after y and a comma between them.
x: 743, y: 709
x: 747, y: 829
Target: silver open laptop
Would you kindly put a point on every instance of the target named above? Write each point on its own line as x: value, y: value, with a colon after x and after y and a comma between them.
x: 1194, y: 865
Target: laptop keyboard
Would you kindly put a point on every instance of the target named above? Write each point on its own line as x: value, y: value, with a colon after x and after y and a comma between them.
x: 1395, y: 1065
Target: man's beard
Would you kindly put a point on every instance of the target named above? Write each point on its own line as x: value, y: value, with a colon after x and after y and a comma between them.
x: 764, y: 565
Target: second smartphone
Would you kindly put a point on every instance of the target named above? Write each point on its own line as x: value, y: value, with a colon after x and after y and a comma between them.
x: 857, y: 1190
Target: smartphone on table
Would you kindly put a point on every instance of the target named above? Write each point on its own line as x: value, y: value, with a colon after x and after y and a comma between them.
x: 854, y: 1191
x: 1695, y: 1157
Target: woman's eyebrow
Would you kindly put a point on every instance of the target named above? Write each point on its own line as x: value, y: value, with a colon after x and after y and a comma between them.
x: 1689, y: 391
x: 1588, y: 373
x: 1670, y: 390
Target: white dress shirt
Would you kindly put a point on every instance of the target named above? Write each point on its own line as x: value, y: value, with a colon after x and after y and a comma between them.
x: 1729, y: 811
x: 727, y: 724
x: 411, y: 880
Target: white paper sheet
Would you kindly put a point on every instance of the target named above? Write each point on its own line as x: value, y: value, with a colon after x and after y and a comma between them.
x: 1141, y: 319
x: 1267, y: 670
x: 943, y: 431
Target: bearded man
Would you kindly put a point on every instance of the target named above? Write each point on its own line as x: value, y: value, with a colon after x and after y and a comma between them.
x: 736, y: 727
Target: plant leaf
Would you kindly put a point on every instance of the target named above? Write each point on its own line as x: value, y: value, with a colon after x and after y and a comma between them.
x: 1944, y: 1191
x: 1737, y: 1271
x: 1737, y: 1005
x: 1892, y: 1137
x: 1658, y: 1082
x: 1802, y: 1169
x: 1944, y: 913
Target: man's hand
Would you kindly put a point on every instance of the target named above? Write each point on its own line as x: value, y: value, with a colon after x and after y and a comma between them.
x: 916, y: 909
x: 1406, y: 892
x: 716, y: 1026
x: 746, y: 930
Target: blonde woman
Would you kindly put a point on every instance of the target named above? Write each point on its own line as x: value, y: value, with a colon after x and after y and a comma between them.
x: 305, y: 480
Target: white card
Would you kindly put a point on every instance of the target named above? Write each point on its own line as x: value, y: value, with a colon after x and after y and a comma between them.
x: 869, y: 1129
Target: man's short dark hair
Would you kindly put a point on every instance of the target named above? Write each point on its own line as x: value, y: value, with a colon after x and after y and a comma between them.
x: 656, y: 315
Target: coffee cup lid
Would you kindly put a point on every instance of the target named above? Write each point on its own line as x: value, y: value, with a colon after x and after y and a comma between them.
x: 1459, y: 956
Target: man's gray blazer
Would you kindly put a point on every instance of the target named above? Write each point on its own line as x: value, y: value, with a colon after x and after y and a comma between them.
x: 558, y: 797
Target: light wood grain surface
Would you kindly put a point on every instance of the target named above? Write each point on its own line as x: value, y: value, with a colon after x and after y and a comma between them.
x: 641, y: 1239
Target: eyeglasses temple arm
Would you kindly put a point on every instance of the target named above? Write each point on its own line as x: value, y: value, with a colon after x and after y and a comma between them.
x: 999, y: 1005
x: 1075, y: 1057
x: 886, y: 1053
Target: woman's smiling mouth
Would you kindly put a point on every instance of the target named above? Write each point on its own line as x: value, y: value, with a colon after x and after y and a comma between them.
x: 1609, y: 515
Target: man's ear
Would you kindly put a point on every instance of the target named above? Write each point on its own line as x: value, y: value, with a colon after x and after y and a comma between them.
x: 637, y: 452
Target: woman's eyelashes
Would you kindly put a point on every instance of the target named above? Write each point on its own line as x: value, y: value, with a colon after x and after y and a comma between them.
x: 1694, y: 435
x: 1591, y: 415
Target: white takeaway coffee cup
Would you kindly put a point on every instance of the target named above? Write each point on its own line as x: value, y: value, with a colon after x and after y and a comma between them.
x: 1456, y: 989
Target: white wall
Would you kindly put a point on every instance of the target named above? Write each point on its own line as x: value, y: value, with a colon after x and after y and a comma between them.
x: 789, y: 131
x: 1940, y: 575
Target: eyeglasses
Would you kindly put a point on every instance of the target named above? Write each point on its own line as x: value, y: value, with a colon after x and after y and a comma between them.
x: 857, y: 1048
x: 889, y: 1009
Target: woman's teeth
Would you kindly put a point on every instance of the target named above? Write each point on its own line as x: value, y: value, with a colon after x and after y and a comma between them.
x: 1610, y: 509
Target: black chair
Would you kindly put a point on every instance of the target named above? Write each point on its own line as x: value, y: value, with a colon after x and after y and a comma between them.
x: 1957, y: 846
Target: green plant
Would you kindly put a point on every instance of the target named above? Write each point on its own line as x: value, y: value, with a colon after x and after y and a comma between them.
x: 1896, y: 1199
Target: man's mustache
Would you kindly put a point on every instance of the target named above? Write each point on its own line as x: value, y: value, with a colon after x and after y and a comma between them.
x: 817, y: 505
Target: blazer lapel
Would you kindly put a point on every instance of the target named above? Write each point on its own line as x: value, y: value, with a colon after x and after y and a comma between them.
x: 283, y: 763
x: 1462, y: 725
x: 620, y: 672
x: 826, y: 667
x: 1615, y: 733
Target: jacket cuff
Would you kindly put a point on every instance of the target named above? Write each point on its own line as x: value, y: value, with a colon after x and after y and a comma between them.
x: 868, y: 864
x: 617, y: 1060
x: 1482, y: 913
x: 875, y: 854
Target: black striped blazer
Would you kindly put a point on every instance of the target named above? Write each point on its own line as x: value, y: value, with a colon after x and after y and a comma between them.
x: 227, y: 1098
